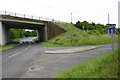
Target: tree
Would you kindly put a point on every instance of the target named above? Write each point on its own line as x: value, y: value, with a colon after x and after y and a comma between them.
x: 20, y: 33
x: 78, y: 25
x: 92, y: 26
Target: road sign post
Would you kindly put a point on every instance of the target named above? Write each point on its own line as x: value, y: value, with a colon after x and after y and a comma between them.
x: 112, y: 31
x: 112, y: 42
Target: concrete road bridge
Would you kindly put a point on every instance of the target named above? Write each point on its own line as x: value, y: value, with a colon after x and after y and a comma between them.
x: 45, y: 27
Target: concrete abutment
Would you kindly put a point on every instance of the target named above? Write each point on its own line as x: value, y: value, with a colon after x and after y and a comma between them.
x: 4, y: 34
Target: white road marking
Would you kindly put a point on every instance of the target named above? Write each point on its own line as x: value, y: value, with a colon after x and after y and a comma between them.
x: 14, y: 54
x: 19, y: 52
x: 24, y: 49
x: 29, y: 45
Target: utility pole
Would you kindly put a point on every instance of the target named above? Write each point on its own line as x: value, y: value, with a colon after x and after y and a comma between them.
x: 71, y: 18
x: 108, y: 19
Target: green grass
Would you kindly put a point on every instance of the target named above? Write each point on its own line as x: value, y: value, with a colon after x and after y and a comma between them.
x: 36, y: 39
x: 2, y: 48
x: 105, y: 66
x: 77, y: 37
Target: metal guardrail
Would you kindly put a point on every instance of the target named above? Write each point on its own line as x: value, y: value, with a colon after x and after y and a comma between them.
x: 30, y: 16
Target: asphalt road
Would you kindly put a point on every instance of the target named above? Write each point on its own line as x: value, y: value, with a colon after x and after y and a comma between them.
x: 28, y: 40
x: 17, y: 60
x: 30, y: 61
x: 49, y: 65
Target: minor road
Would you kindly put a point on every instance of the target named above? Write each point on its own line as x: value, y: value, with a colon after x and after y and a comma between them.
x: 28, y: 40
x: 30, y: 61
x: 17, y: 60
x: 48, y: 65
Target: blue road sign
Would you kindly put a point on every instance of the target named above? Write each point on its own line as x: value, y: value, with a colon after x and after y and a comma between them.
x: 112, y: 30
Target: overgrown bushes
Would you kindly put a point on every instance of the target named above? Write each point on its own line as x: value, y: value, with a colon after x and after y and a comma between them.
x: 94, y: 28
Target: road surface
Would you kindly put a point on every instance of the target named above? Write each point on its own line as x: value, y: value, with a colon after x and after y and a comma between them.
x: 16, y: 61
x: 49, y: 65
x: 30, y: 61
x: 27, y: 40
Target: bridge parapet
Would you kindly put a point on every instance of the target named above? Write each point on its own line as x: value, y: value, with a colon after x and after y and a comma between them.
x: 30, y: 17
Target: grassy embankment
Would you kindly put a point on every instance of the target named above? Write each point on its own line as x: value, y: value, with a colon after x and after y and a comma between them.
x: 2, y: 48
x: 105, y: 66
x: 77, y: 37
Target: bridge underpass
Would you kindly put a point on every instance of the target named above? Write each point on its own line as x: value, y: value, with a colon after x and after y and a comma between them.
x: 46, y: 30
x: 7, y: 25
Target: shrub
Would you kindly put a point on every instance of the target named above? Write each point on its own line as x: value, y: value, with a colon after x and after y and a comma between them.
x: 94, y: 32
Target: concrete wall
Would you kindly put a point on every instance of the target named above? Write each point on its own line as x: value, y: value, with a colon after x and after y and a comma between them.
x: 4, y: 34
x: 49, y: 31
x: 41, y: 34
x: 53, y: 30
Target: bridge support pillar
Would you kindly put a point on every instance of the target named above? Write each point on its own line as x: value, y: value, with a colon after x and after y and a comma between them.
x: 4, y: 34
x: 42, y: 34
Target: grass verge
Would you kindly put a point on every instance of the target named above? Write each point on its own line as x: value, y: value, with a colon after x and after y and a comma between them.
x: 77, y: 37
x: 2, y: 48
x: 105, y: 66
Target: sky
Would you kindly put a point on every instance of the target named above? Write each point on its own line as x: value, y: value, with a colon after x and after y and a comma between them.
x: 82, y: 10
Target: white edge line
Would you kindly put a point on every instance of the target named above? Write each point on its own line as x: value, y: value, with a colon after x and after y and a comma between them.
x: 14, y: 54
x: 18, y: 52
